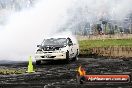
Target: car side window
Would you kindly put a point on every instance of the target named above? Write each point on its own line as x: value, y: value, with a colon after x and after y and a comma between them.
x: 69, y: 42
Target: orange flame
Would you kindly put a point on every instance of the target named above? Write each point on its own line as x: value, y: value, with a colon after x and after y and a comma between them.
x: 81, y: 71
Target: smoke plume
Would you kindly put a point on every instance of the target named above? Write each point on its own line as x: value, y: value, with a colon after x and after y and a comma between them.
x: 27, y: 28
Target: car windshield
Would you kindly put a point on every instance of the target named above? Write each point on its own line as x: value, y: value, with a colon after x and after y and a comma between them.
x: 53, y: 41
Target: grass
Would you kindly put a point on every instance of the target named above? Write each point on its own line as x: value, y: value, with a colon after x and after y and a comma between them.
x: 11, y: 71
x: 105, y: 43
x: 86, y: 45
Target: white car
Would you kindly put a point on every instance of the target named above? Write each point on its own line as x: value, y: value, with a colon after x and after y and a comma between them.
x: 57, y: 49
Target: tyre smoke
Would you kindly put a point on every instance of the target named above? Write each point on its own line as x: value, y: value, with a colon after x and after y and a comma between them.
x: 27, y: 28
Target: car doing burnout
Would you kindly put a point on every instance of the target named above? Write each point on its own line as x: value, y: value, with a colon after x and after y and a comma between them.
x: 57, y: 49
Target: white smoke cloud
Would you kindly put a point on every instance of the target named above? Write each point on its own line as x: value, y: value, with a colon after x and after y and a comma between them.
x: 27, y: 28
x: 93, y: 10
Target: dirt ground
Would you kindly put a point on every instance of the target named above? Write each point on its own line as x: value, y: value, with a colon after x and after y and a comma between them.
x: 61, y: 75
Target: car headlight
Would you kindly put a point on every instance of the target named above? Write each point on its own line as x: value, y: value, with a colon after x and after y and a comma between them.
x: 61, y: 50
x: 37, y: 56
x: 39, y: 52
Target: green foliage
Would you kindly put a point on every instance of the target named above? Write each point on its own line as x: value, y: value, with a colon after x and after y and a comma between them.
x: 11, y: 71
x: 86, y: 45
x: 105, y: 43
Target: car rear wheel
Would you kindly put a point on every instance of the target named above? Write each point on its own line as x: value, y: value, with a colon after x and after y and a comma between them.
x: 38, y: 62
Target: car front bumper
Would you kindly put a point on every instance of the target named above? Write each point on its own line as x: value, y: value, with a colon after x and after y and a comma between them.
x: 50, y: 56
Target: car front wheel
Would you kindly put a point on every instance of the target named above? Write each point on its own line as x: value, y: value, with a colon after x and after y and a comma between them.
x: 67, y: 57
x: 38, y: 62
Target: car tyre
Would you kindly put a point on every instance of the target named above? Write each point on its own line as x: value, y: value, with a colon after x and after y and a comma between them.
x: 67, y: 57
x: 75, y: 58
x: 38, y: 62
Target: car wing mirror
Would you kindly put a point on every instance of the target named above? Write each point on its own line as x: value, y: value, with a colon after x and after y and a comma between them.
x: 70, y: 44
x: 38, y: 45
